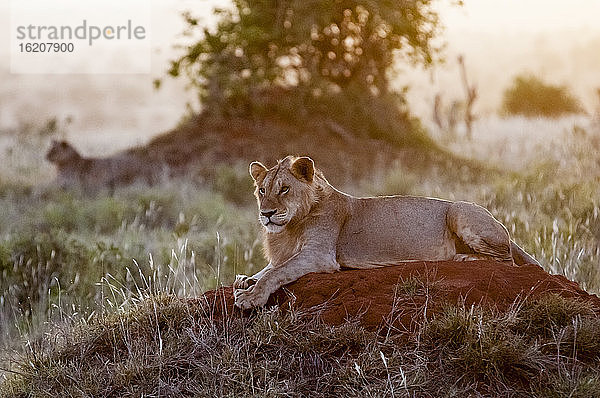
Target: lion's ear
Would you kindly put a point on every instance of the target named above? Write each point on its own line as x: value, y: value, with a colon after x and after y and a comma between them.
x: 303, y: 169
x: 257, y: 170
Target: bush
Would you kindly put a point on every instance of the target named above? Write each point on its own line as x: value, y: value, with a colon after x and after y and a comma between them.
x: 234, y: 184
x: 323, y: 58
x: 530, y: 96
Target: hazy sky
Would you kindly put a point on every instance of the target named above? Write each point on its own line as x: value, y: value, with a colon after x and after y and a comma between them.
x: 500, y: 16
x: 484, y: 15
x: 523, y: 15
x: 557, y: 40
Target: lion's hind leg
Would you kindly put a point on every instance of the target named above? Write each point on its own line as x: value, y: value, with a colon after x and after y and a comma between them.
x: 480, y: 231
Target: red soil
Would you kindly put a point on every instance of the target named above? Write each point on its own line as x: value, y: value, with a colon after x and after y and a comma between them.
x: 398, y: 296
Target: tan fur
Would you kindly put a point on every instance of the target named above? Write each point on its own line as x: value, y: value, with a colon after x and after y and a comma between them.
x: 91, y: 174
x: 312, y: 227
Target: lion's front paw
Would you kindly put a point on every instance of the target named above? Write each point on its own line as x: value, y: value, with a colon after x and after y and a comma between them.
x: 243, y: 282
x: 249, y: 298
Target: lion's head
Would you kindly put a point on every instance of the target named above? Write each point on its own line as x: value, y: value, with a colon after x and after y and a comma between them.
x: 61, y: 152
x: 286, y: 192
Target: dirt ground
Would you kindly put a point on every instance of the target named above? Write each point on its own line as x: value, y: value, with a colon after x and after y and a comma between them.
x: 396, y: 298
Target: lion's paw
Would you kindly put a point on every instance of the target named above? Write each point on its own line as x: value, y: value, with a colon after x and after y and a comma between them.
x: 249, y: 298
x: 461, y: 257
x: 243, y: 282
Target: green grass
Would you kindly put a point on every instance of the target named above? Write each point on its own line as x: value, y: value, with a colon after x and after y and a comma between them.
x: 53, y: 241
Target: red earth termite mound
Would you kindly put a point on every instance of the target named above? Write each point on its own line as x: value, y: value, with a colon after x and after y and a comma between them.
x: 397, y: 297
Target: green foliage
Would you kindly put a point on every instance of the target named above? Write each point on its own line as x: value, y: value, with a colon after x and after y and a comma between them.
x: 482, y: 347
x: 59, y: 245
x: 296, y: 57
x: 530, y: 96
x: 305, y: 43
x: 30, y: 265
x: 555, y: 218
x: 510, y: 347
x: 552, y: 311
x: 234, y: 184
x: 43, y: 275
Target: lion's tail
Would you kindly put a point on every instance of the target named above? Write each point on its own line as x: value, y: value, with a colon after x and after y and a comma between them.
x: 520, y: 256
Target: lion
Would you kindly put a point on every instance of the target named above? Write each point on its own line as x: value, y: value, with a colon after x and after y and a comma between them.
x: 310, y: 226
x: 92, y: 174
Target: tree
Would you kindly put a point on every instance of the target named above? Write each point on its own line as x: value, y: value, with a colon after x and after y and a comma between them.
x: 309, y: 51
x: 530, y: 96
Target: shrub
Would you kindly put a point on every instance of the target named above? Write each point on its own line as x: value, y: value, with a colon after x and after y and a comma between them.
x: 530, y: 96
x: 234, y: 184
x: 323, y: 58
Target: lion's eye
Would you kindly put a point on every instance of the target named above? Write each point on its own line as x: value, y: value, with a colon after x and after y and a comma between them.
x: 261, y: 191
x: 284, y: 189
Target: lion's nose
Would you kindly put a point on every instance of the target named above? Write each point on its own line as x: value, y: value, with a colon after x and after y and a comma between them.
x: 267, y: 213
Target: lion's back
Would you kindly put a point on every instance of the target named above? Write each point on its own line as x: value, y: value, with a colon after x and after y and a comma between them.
x: 384, y: 230
x: 97, y: 173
